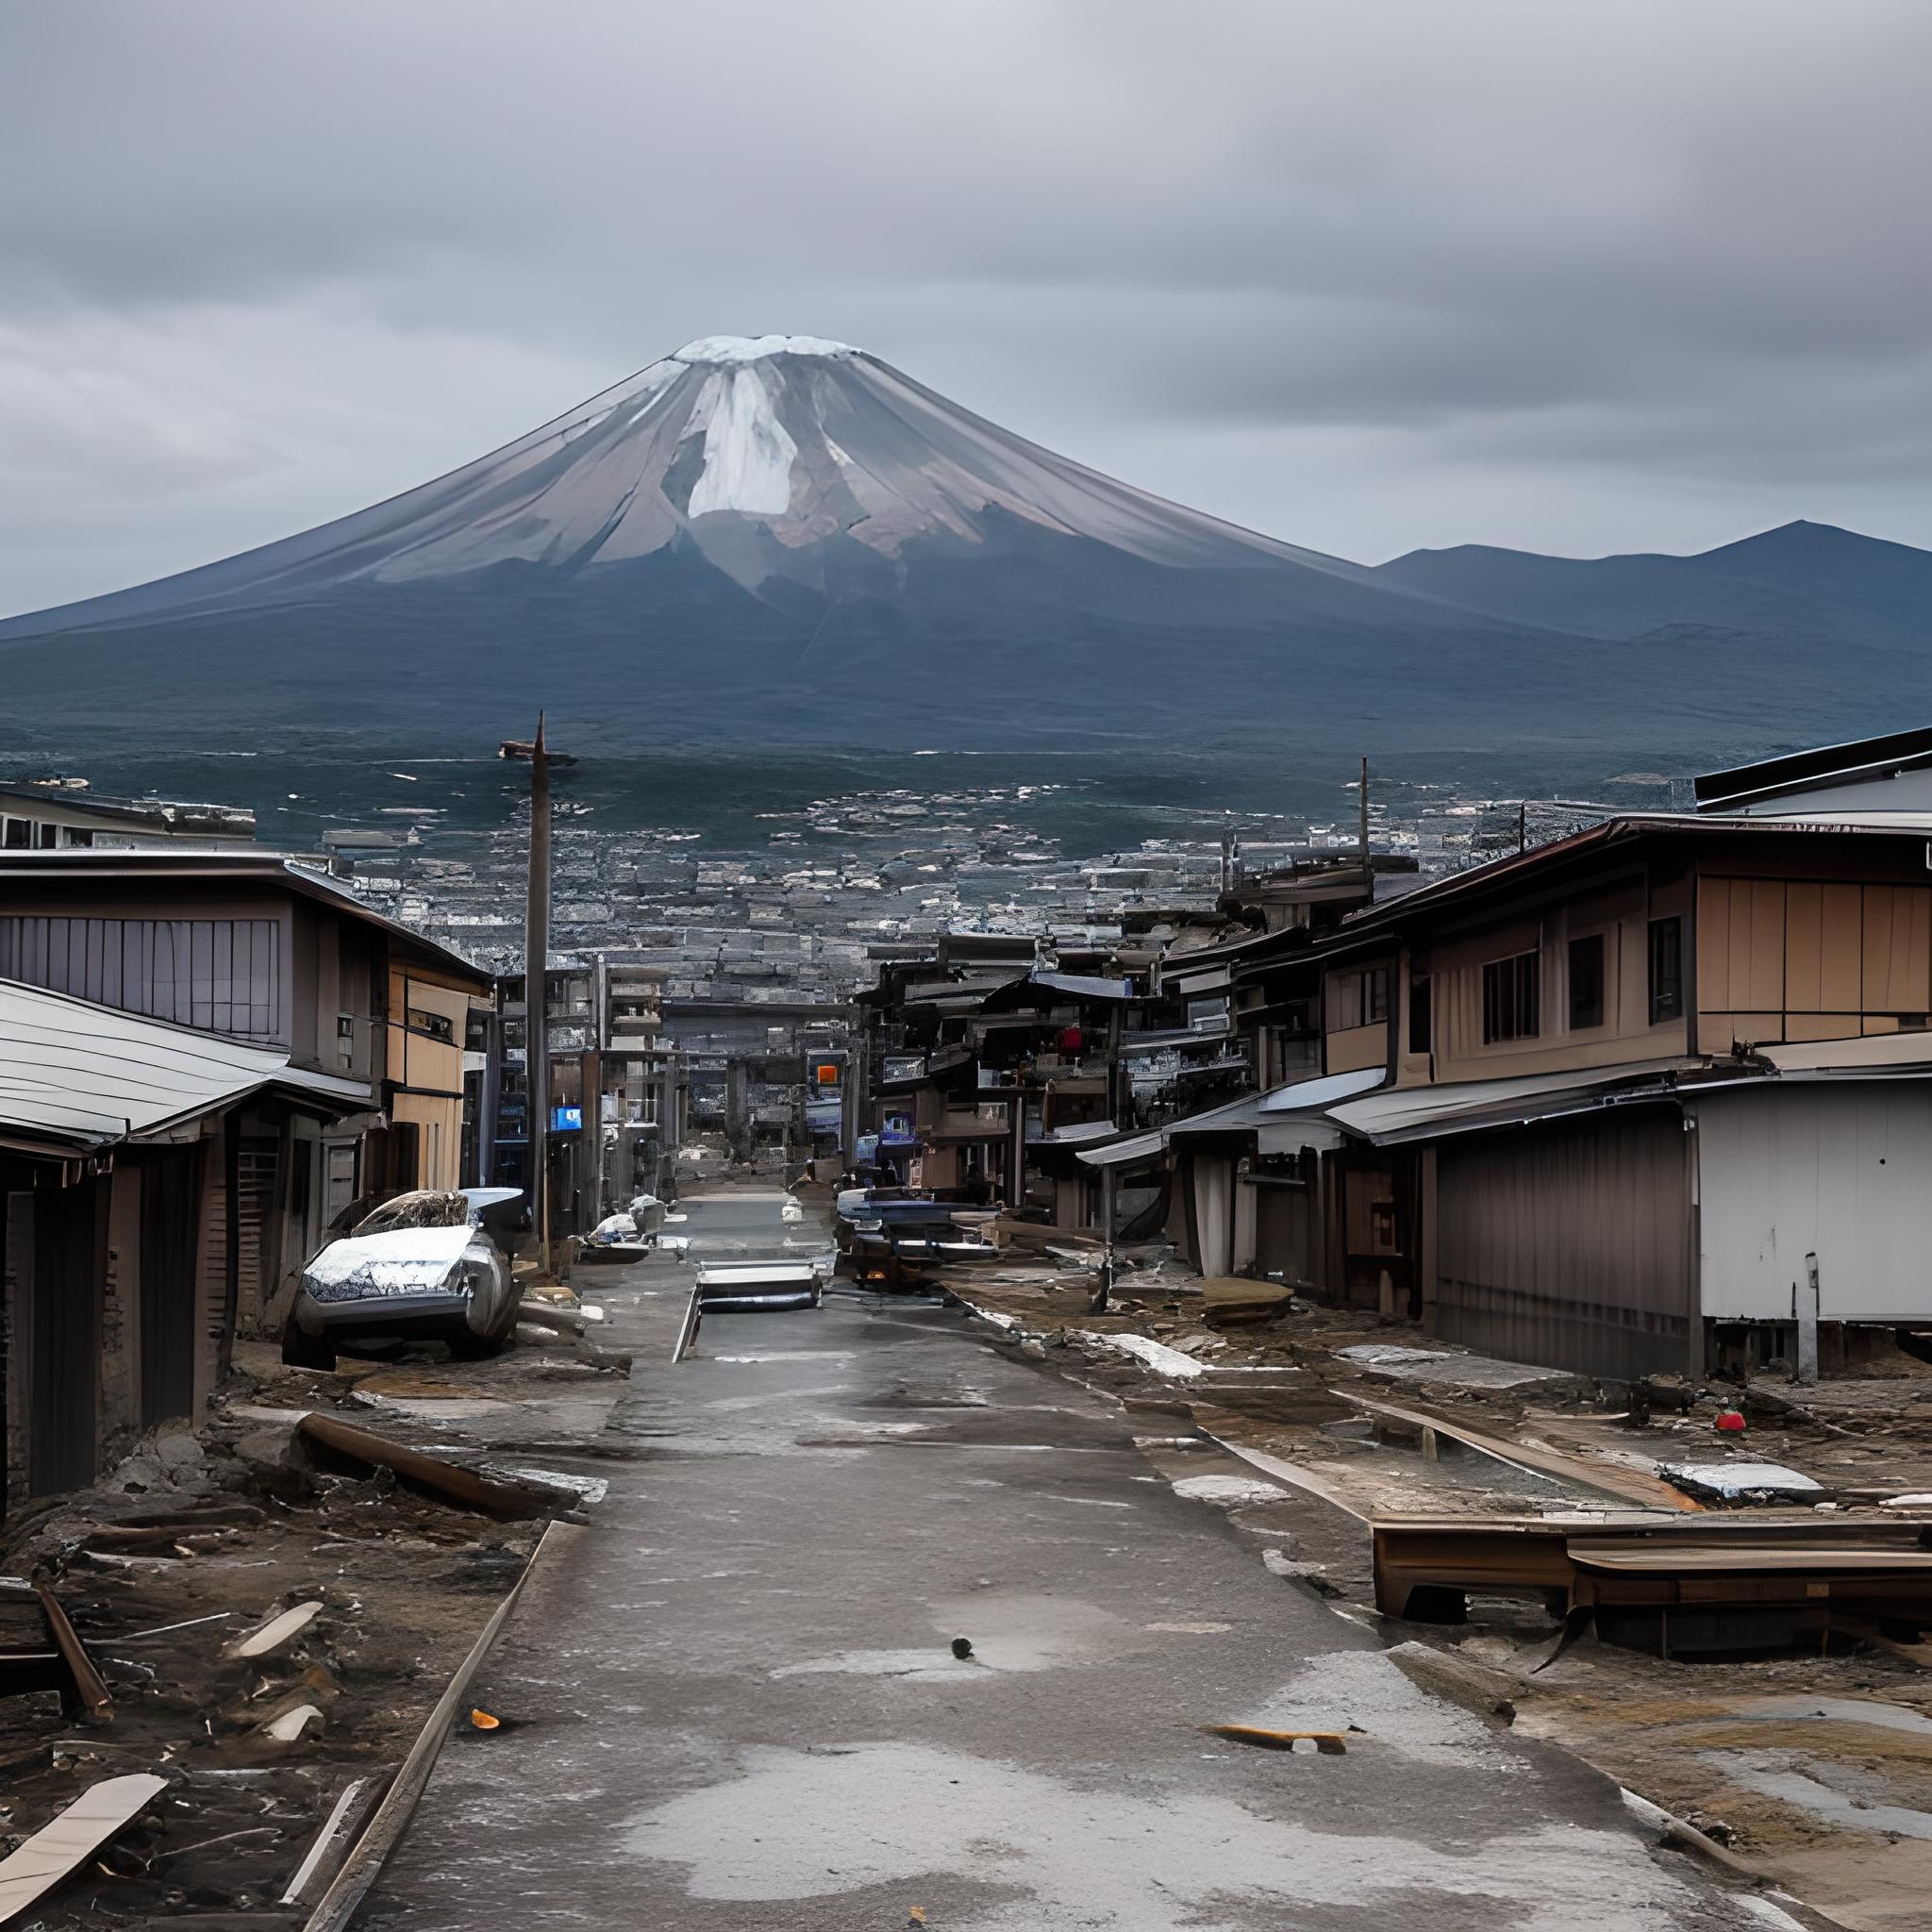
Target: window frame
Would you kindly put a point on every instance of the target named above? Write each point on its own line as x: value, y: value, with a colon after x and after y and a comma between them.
x: 1512, y: 1005
x: 1666, y: 1006
x: 1375, y: 995
x: 1584, y: 944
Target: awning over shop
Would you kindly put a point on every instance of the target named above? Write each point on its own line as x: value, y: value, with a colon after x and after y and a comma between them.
x: 1881, y: 1053
x: 1283, y: 1120
x: 1076, y: 1134
x: 1128, y: 1151
x: 1311, y: 1096
x: 1048, y: 989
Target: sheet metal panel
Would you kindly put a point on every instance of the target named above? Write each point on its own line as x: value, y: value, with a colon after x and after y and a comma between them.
x: 1835, y: 1169
x: 1568, y: 1245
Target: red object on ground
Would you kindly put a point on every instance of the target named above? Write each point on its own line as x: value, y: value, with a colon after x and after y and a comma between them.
x: 1730, y: 1421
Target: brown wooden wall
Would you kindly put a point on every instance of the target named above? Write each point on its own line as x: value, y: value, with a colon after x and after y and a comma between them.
x: 1568, y: 1245
x: 1790, y: 960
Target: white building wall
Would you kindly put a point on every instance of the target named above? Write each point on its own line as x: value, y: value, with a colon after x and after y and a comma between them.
x: 1842, y: 1171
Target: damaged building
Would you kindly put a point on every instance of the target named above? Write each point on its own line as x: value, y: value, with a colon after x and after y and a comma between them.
x: 205, y: 1059
x: 1655, y: 1097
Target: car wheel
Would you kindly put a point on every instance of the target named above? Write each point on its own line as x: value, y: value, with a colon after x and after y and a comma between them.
x: 301, y: 1350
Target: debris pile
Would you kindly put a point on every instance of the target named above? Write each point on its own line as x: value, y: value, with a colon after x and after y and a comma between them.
x: 212, y: 1665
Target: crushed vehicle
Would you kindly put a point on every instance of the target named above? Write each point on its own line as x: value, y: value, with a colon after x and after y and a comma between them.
x: 890, y: 1234
x: 735, y: 1287
x: 433, y: 1264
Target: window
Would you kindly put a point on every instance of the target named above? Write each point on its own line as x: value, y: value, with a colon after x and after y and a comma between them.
x: 1375, y: 994
x: 437, y: 1026
x: 1421, y: 1038
x: 1666, y: 970
x: 1587, y: 982
x: 1209, y: 1015
x: 17, y: 833
x: 46, y: 837
x: 1358, y: 999
x: 1511, y: 1006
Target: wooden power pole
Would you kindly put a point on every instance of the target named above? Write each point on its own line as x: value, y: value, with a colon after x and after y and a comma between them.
x: 536, y: 982
x: 1362, y: 834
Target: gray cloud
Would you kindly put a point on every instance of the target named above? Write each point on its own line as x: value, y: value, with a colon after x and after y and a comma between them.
x: 1600, y: 275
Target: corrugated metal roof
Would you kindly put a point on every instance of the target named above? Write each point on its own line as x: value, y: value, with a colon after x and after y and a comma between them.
x: 85, y: 1074
x: 1323, y: 1092
x: 1126, y: 1151
x: 257, y: 865
x: 1877, y: 1053
x: 1403, y: 1113
x: 1075, y: 1134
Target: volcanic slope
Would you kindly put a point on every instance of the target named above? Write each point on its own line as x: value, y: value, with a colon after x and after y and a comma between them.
x: 784, y: 539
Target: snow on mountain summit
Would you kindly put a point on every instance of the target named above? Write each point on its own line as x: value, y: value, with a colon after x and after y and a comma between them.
x: 756, y: 348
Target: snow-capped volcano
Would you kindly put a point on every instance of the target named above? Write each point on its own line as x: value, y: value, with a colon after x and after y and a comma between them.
x: 768, y: 537
x: 770, y: 454
x: 780, y: 540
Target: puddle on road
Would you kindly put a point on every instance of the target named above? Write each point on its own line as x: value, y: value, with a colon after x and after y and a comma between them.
x: 785, y: 1355
x: 1839, y: 1710
x: 1842, y: 1795
x: 1009, y: 1632
x: 842, y: 1817
x: 1362, y: 1687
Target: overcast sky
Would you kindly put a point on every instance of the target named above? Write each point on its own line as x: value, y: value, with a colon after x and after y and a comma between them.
x: 1561, y: 274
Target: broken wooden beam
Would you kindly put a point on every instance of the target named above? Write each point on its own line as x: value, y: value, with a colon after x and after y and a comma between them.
x: 447, y: 1481
x: 88, y: 1686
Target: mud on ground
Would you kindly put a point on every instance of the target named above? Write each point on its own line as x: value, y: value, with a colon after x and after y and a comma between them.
x: 194, y: 1542
x: 1816, y: 1770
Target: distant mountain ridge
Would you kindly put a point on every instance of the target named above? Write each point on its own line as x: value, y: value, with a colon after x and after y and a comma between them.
x: 781, y: 539
x: 1800, y: 580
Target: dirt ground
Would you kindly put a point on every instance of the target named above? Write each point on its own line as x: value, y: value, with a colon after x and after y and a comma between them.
x: 195, y: 1541
x: 1815, y: 1770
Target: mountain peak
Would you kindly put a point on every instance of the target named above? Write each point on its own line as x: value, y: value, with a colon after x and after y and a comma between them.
x: 787, y: 463
x: 758, y: 348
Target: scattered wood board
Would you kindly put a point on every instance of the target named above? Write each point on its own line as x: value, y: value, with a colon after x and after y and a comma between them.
x: 1629, y: 1485
x: 275, y: 1632
x: 57, y: 1849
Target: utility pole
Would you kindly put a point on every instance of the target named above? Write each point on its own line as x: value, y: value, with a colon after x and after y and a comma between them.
x: 1362, y: 832
x: 535, y: 981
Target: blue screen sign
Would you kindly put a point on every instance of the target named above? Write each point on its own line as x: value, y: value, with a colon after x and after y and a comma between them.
x: 566, y: 1120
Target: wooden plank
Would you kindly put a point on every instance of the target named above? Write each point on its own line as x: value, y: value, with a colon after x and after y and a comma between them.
x: 325, y: 1855
x: 365, y: 1860
x: 59, y: 1848
x: 447, y: 1481
x: 275, y: 1632
x: 88, y: 1686
x: 1605, y: 1478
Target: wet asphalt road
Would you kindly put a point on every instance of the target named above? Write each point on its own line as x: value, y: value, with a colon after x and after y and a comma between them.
x: 732, y: 1701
